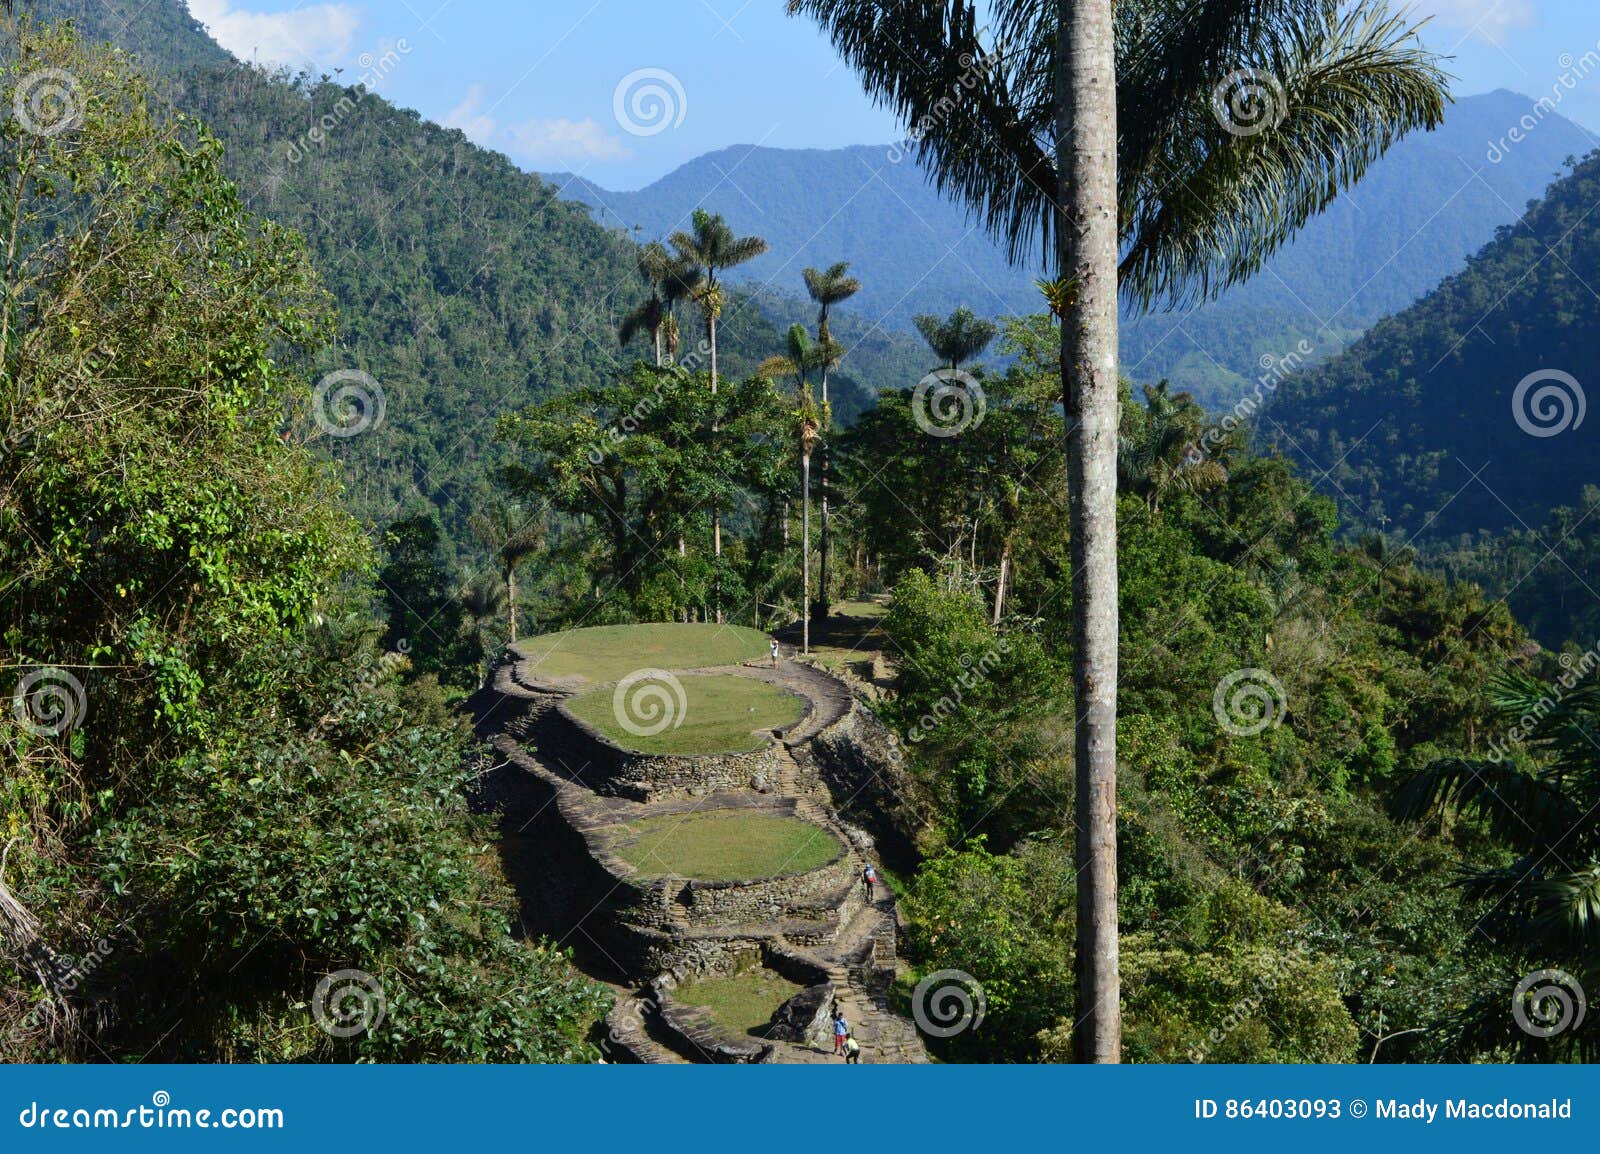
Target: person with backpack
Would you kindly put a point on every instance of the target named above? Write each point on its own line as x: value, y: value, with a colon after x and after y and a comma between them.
x: 841, y: 1030
x: 869, y: 878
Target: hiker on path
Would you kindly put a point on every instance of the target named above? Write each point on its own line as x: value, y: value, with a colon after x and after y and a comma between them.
x: 841, y: 1031
x: 869, y: 878
x: 852, y: 1050
x: 774, y: 653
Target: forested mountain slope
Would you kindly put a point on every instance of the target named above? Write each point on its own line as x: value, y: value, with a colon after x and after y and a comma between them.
x: 465, y: 288
x: 1466, y: 411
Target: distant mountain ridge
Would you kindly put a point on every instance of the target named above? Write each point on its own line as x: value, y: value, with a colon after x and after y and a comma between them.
x: 1422, y: 210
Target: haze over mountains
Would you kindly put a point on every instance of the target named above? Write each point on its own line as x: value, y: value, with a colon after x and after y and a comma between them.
x: 1416, y: 217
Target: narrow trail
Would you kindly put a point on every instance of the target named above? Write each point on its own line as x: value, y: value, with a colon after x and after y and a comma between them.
x: 840, y: 934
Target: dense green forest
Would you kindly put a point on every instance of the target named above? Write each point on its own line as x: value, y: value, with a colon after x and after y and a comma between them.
x: 1424, y: 425
x: 1357, y: 792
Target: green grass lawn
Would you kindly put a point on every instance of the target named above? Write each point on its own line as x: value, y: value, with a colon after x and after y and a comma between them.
x: 725, y: 845
x: 610, y: 652
x: 715, y: 714
x: 743, y: 1003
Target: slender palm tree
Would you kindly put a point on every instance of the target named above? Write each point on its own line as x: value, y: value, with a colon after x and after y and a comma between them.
x: 827, y: 287
x: 671, y: 279
x: 957, y: 338
x: 707, y: 248
x: 1242, y: 119
x: 809, y: 420
x: 512, y: 537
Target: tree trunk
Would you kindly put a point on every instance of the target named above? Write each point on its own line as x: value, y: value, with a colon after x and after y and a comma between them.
x: 819, y: 608
x: 805, y: 551
x: 716, y: 509
x: 511, y: 599
x: 1086, y: 242
x: 1000, y: 586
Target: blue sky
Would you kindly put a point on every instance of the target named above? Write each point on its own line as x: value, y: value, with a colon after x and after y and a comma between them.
x: 624, y: 91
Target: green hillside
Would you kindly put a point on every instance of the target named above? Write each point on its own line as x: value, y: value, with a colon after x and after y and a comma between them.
x: 1420, y: 425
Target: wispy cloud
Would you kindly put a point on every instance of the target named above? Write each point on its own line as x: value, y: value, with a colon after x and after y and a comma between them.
x: 563, y: 140
x: 557, y: 140
x: 470, y: 119
x: 319, y: 35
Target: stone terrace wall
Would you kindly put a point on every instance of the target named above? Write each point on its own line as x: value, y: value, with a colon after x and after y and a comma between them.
x: 610, y: 770
x: 771, y: 899
x: 858, y: 761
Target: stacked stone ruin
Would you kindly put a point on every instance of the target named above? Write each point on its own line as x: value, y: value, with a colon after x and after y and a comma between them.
x: 566, y: 791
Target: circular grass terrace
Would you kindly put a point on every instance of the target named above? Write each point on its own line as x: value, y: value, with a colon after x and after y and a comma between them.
x: 710, y: 714
x: 608, y: 653
x: 742, y: 1003
x: 724, y: 845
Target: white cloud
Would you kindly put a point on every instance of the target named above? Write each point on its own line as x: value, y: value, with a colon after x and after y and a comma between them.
x: 539, y: 141
x: 479, y: 126
x: 1488, y: 19
x: 563, y: 140
x: 319, y: 36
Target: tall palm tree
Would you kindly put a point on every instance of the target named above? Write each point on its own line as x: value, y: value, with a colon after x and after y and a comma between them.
x: 809, y: 420
x: 827, y: 287
x: 512, y: 537
x: 710, y: 247
x: 707, y: 248
x: 957, y: 338
x: 671, y: 279
x: 1243, y: 118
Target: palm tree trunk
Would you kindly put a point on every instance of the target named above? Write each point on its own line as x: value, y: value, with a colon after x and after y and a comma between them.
x: 805, y: 551
x: 819, y: 608
x: 1000, y: 586
x: 1086, y: 241
x: 716, y: 509
x: 511, y: 599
